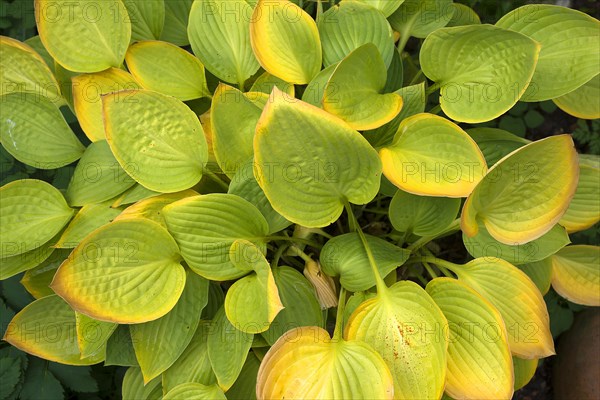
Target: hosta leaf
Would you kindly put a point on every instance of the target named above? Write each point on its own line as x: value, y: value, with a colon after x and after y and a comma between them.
x: 540, y: 272
x: 232, y: 137
x: 92, y: 335
x: 85, y: 36
x: 353, y: 92
x: 31, y: 213
x: 395, y: 74
x: 244, y: 387
x: 569, y: 40
x: 351, y: 24
x: 524, y: 371
x: 167, y: 69
x: 134, y: 387
x: 575, y: 274
x: 584, y: 208
x: 253, y: 302
x: 156, y: 138
x: 206, y: 226
x: 479, y: 359
x: 151, y: 208
x: 64, y: 78
x: 15, y: 262
x: 195, y: 391
x: 301, y: 307
x: 134, y: 194
x: 220, y: 36
x: 345, y: 256
x: 403, y: 324
x: 227, y: 349
x: 125, y: 272
x: 36, y: 44
x: 517, y: 299
x: 33, y: 131
x: 419, y: 18
x: 88, y: 218
x: 216, y: 298
x: 98, y: 177
x: 463, y: 15
x: 526, y: 193
x: 24, y: 70
x: 46, y: 329
x: 422, y: 215
x: 387, y: 7
x: 87, y: 97
x: 309, y: 162
x: 119, y: 349
x: 37, y: 280
x: 176, y: 22
x: 431, y: 156
x: 285, y: 40
x: 482, y: 70
x: 194, y: 363
x: 266, y: 82
x: 484, y: 245
x: 583, y: 102
x: 147, y: 18
x: 495, y: 143
x: 159, y: 343
x: 306, y: 363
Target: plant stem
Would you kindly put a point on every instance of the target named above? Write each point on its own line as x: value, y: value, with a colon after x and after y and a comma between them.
x: 435, y: 109
x: 216, y: 179
x: 279, y: 253
x: 431, y: 89
x: 440, y: 267
x: 339, y: 316
x: 434, y: 260
x: 297, y: 252
x: 414, y: 79
x: 429, y: 270
x: 294, y: 239
x: 426, y: 239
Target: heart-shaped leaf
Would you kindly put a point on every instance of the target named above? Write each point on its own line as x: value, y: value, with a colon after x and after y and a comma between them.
x: 306, y: 363
x: 151, y: 208
x: 526, y: 193
x: 482, y: 70
x: 419, y: 18
x: 156, y: 138
x: 584, y: 208
x: 126, y: 272
x: 103, y: 28
x: 495, y: 143
x: 147, y: 18
x: 575, y: 274
x: 431, y: 156
x: 309, y: 162
x: 583, y: 102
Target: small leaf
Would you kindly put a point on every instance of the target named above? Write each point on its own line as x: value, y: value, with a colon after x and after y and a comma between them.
x: 37, y: 280
x: 575, y: 274
x: 524, y: 371
x: 419, y: 18
x: 195, y: 391
x: 10, y: 369
x: 266, y: 82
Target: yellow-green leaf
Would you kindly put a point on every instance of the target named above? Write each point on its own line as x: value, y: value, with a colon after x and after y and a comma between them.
x: 31, y: 213
x: 244, y: 387
x: 540, y: 272
x: 309, y: 162
x: 37, y: 280
x: 463, y: 15
x: 156, y: 138
x: 125, y: 272
x: 136, y: 193
x: 526, y: 193
x: 583, y: 102
x: 14, y: 262
x: 306, y: 363
x: 88, y: 218
x: 176, y: 22
x: 575, y: 274
x: 134, y: 387
x: 195, y: 391
x: 419, y: 18
x: 46, y: 329
x: 266, y: 82
x: 92, y: 335
x: 584, y: 208
x: 479, y: 359
x: 167, y: 69
x: 432, y: 156
x: 151, y: 208
x: 353, y: 92
x: 285, y: 40
x: 387, y: 7
x: 147, y: 18
x: 496, y: 143
x: 482, y: 70
x: 84, y: 36
x: 524, y: 371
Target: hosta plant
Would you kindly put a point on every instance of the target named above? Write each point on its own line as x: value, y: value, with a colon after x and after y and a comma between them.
x: 266, y: 194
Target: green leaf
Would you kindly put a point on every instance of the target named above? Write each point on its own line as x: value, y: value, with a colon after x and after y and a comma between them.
x: 89, y: 218
x: 159, y: 343
x: 432, y: 156
x: 395, y: 74
x: 227, y: 349
x: 266, y: 82
x: 575, y: 274
x: 495, y: 143
x: 484, y: 245
x: 524, y: 371
x: 195, y: 391
x: 345, y: 256
x: 479, y: 359
x: 309, y: 162
x: 151, y: 208
x: 419, y: 18
x: 220, y: 38
x: 10, y: 369
x: 244, y: 387
x: 569, y: 40
x: 422, y: 215
x: 387, y: 7
x: 46, y: 329
x: 156, y: 138
x: 98, y: 177
x: 583, y: 102
x: 147, y: 18
x: 216, y: 298
x: 134, y: 387
x: 31, y: 213
x: 176, y: 22
x: 394, y: 324
x: 351, y: 24
x: 584, y: 208
x: 34, y: 132
x: 252, y: 302
x: 119, y: 349
x: 206, y: 226
x: 526, y: 193
x: 482, y: 70
x: 285, y: 40
x: 40, y: 384
x: 37, y: 280
x: 313, y: 94
x: 104, y: 27
x: 540, y: 272
x: 24, y: 70
x: 134, y: 194
x: 353, y: 93
x: 93, y: 335
x: 167, y: 69
x: 126, y: 272
x: 463, y: 15
x: 301, y: 307
x: 15, y: 264
x: 78, y: 379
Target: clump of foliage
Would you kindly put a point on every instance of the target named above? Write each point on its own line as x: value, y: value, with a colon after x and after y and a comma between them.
x: 266, y: 216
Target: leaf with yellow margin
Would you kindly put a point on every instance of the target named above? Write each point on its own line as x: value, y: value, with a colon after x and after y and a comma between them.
x: 524, y: 194
x: 37, y: 280
x: 576, y: 275
x: 285, y: 40
x: 88, y: 218
x: 92, y: 335
x: 151, y: 208
x: 524, y: 371
x: 266, y: 82
x: 583, y: 102
x: 305, y: 363
x: 540, y: 272
x: 432, y: 156
x: 584, y: 208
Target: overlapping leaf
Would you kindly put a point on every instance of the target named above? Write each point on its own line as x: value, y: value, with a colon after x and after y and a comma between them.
x: 583, y: 102
x: 575, y: 274
x: 584, y: 208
